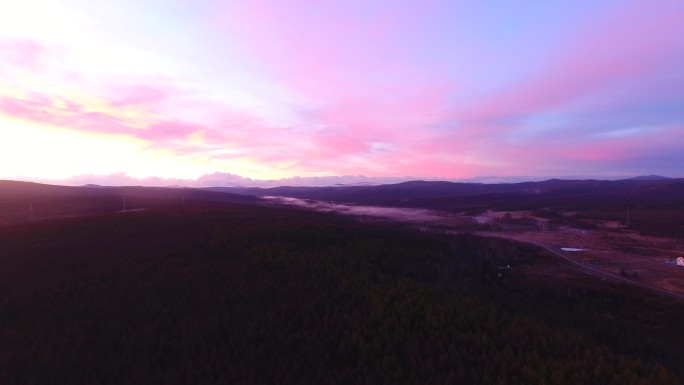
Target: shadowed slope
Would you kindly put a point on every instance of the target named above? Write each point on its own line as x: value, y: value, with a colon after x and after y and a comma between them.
x: 255, y: 295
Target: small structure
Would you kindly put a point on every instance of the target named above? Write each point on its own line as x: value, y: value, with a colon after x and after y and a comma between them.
x: 680, y: 261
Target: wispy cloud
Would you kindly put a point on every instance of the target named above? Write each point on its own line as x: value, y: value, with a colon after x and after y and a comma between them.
x: 267, y: 89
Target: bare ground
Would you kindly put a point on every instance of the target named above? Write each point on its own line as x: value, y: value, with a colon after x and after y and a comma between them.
x: 612, y: 252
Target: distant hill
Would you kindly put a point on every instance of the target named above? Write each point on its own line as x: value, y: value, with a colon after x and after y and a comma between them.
x: 649, y: 177
x: 9, y: 188
x: 654, y: 198
x: 656, y: 205
x: 21, y: 201
x: 401, y: 193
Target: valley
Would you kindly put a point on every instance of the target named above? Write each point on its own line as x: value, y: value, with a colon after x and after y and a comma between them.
x: 609, y: 251
x: 135, y: 285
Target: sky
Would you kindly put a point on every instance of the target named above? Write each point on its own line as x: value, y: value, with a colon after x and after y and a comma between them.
x: 233, y: 90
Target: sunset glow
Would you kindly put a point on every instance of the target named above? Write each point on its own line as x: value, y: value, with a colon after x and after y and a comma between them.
x: 269, y: 89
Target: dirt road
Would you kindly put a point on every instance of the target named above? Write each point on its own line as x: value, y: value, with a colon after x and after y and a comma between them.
x: 585, y: 267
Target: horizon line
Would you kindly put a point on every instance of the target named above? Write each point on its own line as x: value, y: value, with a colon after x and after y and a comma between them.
x: 236, y: 181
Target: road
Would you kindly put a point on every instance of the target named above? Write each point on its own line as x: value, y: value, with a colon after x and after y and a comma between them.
x: 419, y: 215
x: 599, y: 272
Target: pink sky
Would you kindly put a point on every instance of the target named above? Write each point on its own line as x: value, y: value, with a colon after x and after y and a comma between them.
x: 264, y: 89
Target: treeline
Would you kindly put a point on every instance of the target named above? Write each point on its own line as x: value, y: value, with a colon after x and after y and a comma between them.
x: 254, y: 295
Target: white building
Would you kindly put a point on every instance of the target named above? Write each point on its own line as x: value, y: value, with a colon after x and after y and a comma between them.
x: 680, y: 261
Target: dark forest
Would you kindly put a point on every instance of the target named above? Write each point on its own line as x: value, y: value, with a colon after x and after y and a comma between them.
x: 240, y: 294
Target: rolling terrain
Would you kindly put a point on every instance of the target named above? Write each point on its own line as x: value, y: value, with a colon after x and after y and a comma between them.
x: 219, y: 288
x: 26, y: 201
x: 655, y: 204
x: 248, y: 294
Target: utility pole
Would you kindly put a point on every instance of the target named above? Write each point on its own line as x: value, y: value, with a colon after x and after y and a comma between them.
x: 627, y: 218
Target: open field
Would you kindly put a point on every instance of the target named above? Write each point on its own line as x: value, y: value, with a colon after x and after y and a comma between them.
x: 645, y: 260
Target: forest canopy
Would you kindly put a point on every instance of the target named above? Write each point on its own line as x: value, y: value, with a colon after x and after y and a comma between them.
x: 256, y: 295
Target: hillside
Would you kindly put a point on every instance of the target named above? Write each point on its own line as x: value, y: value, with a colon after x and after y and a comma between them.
x: 258, y: 295
x: 656, y: 204
x: 23, y: 201
x: 423, y: 190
